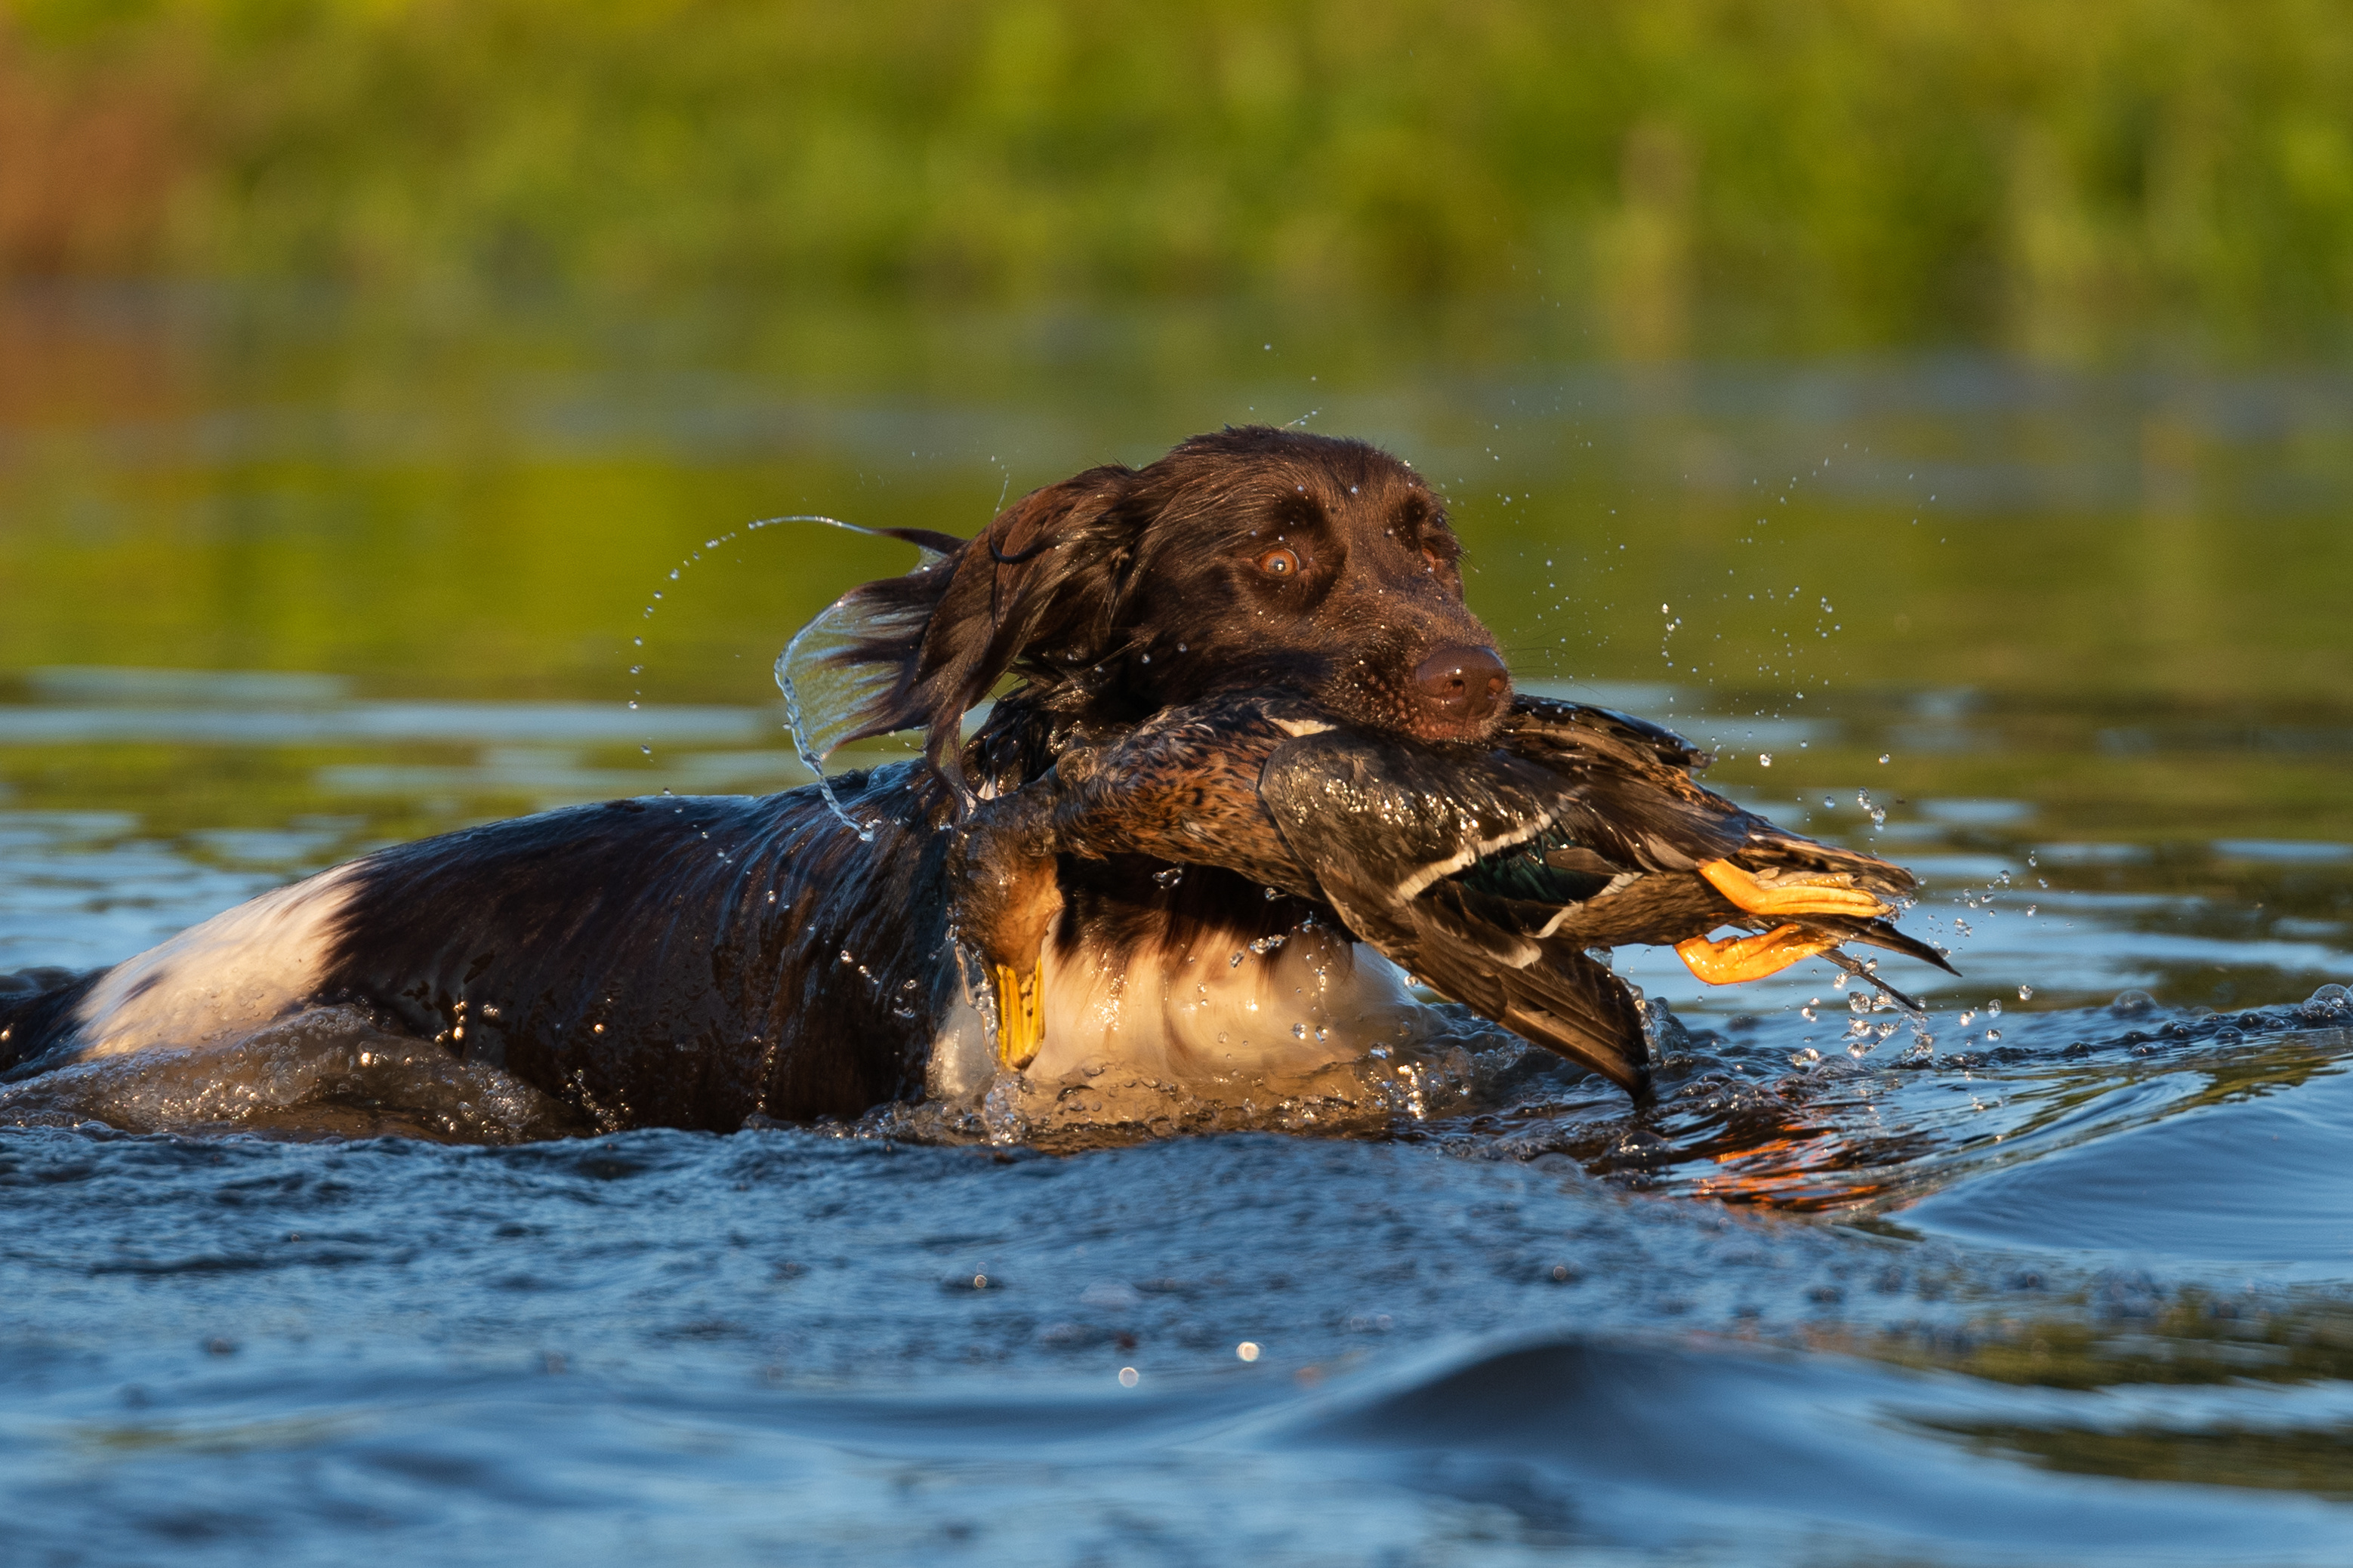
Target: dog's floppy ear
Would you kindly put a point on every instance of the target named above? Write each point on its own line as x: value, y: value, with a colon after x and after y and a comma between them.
x: 1042, y: 581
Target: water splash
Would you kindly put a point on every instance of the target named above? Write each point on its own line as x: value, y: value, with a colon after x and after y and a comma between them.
x: 821, y: 700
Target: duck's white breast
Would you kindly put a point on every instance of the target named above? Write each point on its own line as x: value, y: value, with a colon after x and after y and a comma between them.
x: 1294, y: 1003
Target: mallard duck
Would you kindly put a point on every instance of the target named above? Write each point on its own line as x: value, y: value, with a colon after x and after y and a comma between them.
x: 1492, y: 871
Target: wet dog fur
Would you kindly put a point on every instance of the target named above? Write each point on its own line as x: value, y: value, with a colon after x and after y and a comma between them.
x: 692, y: 962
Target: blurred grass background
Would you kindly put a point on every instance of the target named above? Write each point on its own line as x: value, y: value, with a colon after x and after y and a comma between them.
x: 1686, y: 175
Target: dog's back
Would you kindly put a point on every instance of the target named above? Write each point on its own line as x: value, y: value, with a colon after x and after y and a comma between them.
x: 679, y: 962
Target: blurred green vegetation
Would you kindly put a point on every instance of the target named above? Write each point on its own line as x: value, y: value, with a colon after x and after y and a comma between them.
x: 1679, y: 175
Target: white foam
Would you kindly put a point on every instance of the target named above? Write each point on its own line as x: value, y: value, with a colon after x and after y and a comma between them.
x: 219, y: 981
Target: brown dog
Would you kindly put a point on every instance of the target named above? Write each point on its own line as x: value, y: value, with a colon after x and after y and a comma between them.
x: 692, y: 962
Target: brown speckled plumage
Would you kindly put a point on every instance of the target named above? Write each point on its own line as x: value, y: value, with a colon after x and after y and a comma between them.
x: 1395, y: 836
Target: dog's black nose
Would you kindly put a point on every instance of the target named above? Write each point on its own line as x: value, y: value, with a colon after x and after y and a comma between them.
x: 1464, y: 685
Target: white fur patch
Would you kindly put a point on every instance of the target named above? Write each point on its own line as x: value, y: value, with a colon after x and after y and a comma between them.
x: 1318, y: 998
x: 219, y: 981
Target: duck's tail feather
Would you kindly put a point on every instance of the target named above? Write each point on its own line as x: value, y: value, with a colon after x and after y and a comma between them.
x: 1881, y: 933
x: 1771, y: 848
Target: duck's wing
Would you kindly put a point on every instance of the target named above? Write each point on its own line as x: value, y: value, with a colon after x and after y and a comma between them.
x: 1400, y: 837
x: 1489, y: 871
x: 1543, y: 989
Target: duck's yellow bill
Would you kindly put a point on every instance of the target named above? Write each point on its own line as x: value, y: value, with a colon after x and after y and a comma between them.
x: 1020, y: 1014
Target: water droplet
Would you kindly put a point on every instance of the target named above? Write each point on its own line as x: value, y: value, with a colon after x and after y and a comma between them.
x: 1298, y: 1031
x: 1764, y: 759
x: 2026, y: 993
x: 1882, y: 757
x: 1246, y: 1350
x: 1128, y: 1375
x: 1805, y: 1059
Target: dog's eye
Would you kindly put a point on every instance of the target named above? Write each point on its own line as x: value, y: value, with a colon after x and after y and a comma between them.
x: 1278, y: 563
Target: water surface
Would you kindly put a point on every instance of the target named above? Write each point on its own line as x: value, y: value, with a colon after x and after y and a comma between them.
x: 2070, y: 1281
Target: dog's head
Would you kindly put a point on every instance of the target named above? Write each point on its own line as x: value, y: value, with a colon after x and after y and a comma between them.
x: 1250, y: 560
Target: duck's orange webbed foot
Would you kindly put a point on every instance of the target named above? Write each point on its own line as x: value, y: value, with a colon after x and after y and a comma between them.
x: 1738, y: 958
x: 1794, y: 895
